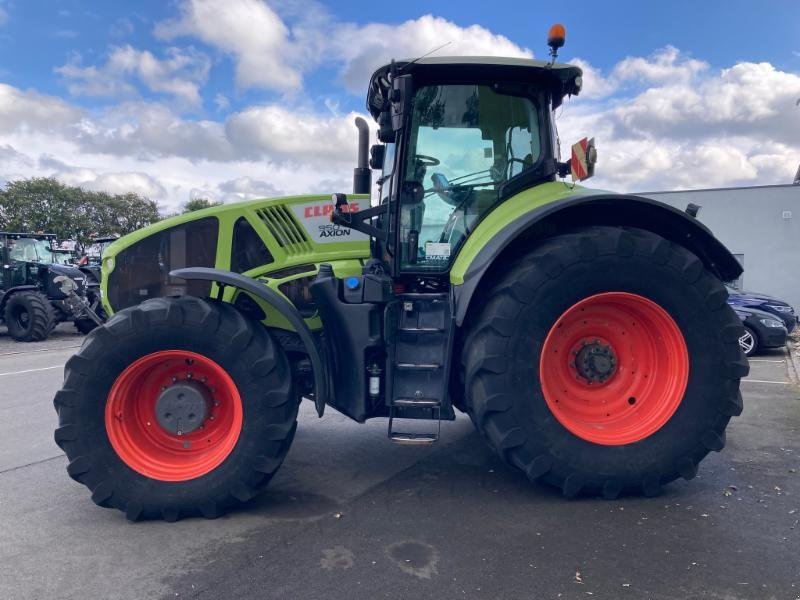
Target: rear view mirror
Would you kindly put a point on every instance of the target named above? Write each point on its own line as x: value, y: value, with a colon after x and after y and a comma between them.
x: 376, y: 155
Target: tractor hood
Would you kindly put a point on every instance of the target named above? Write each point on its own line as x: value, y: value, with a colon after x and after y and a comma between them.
x: 256, y: 238
x: 61, y: 279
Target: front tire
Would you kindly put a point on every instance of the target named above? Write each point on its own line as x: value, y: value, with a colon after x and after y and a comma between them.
x: 177, y: 407
x: 29, y: 316
x: 606, y: 361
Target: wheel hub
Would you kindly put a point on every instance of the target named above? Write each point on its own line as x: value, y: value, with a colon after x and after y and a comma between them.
x: 182, y: 407
x: 595, y: 361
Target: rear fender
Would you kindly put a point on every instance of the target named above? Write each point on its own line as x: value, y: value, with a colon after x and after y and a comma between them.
x: 589, y: 209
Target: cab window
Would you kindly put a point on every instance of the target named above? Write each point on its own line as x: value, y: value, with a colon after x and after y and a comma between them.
x: 465, y: 142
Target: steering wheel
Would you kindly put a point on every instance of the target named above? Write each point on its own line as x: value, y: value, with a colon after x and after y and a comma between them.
x: 427, y: 161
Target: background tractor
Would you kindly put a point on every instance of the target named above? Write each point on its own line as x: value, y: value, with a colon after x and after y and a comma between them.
x: 37, y: 291
x: 585, y: 333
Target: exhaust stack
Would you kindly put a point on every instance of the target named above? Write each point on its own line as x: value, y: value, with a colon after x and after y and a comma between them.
x: 362, y: 176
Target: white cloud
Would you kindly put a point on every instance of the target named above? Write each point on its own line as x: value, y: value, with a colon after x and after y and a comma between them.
x: 246, y: 188
x: 111, y: 182
x: 28, y: 109
x: 274, y: 53
x: 180, y: 74
x: 9, y: 156
x: 249, y: 30
x: 282, y: 133
x: 122, y: 27
x: 222, y: 103
x: 669, y: 121
x: 666, y: 65
x: 365, y: 48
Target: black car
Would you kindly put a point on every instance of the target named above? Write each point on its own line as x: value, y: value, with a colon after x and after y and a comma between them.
x: 777, y: 308
x: 761, y: 330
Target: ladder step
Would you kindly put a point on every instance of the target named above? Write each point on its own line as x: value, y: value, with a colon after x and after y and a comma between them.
x: 417, y: 403
x: 421, y: 329
x: 413, y: 438
x: 418, y: 367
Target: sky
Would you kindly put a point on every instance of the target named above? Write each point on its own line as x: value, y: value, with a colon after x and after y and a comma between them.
x: 180, y: 99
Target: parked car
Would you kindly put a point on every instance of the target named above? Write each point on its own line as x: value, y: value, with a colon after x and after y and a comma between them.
x: 778, y: 308
x: 761, y: 330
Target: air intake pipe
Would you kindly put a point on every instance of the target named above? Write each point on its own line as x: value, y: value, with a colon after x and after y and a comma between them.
x: 362, y: 176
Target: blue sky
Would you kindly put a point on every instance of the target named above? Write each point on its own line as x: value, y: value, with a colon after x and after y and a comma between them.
x: 256, y: 97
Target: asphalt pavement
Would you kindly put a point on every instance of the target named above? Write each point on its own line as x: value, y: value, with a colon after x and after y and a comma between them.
x: 351, y: 516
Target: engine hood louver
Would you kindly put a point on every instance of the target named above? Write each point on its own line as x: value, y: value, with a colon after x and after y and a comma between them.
x: 284, y: 227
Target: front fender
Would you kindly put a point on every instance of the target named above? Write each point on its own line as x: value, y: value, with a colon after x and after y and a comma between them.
x: 281, y: 305
x: 581, y: 209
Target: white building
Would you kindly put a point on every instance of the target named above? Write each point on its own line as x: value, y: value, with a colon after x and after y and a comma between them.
x: 760, y: 225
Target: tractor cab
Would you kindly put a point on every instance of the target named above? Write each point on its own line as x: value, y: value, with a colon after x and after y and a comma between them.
x: 460, y: 135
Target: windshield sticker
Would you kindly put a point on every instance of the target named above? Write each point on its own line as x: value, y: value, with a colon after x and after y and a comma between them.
x: 316, y: 219
x: 437, y: 250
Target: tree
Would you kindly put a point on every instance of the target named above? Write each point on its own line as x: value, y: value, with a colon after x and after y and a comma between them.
x: 44, y: 204
x: 199, y: 204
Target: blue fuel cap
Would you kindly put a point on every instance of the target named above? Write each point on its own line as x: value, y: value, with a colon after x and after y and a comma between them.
x: 352, y: 283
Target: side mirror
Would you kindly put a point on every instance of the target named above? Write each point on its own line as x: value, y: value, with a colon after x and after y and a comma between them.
x: 377, y: 153
x: 385, y: 132
x: 400, y: 99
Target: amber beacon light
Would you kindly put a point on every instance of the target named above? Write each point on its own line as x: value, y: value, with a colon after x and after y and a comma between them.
x: 556, y: 37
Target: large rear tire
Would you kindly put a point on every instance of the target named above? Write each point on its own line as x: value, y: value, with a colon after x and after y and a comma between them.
x: 606, y: 361
x: 177, y: 407
x: 29, y: 316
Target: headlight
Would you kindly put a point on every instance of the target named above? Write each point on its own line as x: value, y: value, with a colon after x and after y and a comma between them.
x: 771, y: 323
x: 781, y: 308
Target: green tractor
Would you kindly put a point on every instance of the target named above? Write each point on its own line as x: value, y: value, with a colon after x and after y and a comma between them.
x: 585, y: 333
x: 37, y: 291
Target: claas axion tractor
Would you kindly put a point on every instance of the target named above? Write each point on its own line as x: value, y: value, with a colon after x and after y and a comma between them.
x: 585, y: 333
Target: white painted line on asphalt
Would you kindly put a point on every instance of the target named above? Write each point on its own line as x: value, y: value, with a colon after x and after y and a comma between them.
x: 763, y: 381
x: 31, y: 370
x: 765, y: 360
x: 39, y: 350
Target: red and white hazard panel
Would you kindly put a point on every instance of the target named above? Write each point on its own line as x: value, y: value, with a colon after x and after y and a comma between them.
x: 584, y: 156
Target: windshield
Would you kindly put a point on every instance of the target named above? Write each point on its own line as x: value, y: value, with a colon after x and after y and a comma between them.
x: 465, y: 142
x: 31, y: 250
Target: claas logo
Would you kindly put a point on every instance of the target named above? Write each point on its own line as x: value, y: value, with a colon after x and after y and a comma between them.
x: 325, y: 210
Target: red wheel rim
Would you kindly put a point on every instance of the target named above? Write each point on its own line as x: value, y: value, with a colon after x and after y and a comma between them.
x: 614, y: 368
x: 147, y: 447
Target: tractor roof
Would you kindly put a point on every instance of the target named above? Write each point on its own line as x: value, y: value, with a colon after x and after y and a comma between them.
x: 561, y: 79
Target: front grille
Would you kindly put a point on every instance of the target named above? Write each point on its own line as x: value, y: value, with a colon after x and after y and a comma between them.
x: 283, y: 226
